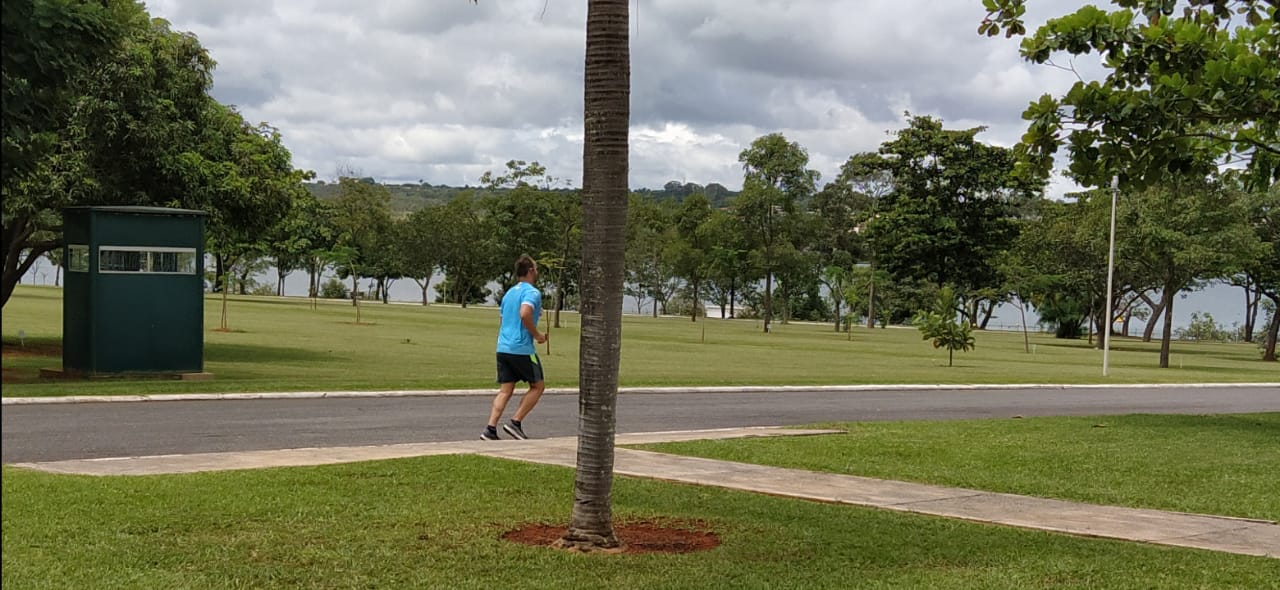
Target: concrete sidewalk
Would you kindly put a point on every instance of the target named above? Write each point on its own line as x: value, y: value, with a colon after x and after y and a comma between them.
x: 1215, y: 533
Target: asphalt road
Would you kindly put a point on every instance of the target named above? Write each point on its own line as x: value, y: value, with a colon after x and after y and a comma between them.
x: 50, y: 432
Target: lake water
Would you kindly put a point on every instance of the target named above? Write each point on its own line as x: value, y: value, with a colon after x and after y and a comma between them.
x: 1224, y: 302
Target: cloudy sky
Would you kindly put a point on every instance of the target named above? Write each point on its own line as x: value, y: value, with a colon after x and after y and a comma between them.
x: 443, y: 90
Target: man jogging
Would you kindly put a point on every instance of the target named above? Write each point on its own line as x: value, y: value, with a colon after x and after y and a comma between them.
x: 517, y: 357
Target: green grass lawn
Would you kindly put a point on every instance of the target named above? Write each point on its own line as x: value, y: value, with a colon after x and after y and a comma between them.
x: 284, y: 345
x: 1224, y: 464
x: 435, y: 522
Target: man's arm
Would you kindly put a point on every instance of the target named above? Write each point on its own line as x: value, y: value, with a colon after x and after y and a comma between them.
x: 526, y: 318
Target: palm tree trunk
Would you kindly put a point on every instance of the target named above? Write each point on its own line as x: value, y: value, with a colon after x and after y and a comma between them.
x: 606, y: 121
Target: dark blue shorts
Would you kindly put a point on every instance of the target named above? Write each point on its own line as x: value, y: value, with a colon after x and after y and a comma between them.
x: 519, y: 367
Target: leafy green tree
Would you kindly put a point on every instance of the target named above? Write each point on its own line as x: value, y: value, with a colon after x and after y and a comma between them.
x: 467, y: 254
x: 1188, y: 84
x: 300, y: 239
x: 649, y: 274
x: 837, y: 280
x: 866, y: 182
x: 690, y: 251
x: 1059, y: 263
x: 776, y: 184
x: 1064, y: 314
x: 728, y: 265
x: 951, y: 211
x: 1186, y: 229
x: 49, y: 49
x: 565, y: 224
x: 942, y: 326
x: 361, y: 220
x: 420, y: 243
x: 246, y: 176
x: 125, y: 135
x: 1203, y: 328
x: 522, y: 206
x: 1263, y: 270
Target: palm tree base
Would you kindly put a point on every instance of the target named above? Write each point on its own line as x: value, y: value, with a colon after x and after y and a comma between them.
x: 583, y: 542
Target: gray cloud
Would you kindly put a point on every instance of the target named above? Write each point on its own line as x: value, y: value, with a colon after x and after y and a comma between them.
x: 444, y: 90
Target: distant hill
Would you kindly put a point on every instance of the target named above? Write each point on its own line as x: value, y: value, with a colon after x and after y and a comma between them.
x: 406, y: 198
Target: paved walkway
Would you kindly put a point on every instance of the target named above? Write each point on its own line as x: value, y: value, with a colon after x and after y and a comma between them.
x: 1216, y: 533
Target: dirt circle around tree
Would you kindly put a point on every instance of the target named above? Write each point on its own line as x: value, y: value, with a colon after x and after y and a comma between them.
x: 637, y: 536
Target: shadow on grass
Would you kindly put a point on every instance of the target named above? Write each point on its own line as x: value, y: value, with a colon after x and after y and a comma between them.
x: 248, y: 353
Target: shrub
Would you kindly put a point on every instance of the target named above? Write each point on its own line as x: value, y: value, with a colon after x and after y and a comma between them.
x: 941, y: 325
x: 334, y: 289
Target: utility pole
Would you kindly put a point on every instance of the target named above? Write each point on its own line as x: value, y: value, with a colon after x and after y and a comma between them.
x: 1111, y: 271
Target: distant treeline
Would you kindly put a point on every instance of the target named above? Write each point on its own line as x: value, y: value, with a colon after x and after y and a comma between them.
x: 410, y: 197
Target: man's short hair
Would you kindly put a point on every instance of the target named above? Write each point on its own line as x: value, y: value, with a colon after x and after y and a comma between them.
x: 524, y: 264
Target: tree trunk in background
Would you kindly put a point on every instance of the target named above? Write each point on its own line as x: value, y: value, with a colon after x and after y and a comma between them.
x: 1166, y: 303
x: 696, y: 305
x: 871, y: 306
x: 1269, y: 351
x: 987, y: 312
x: 606, y: 121
x: 1156, y: 310
x: 733, y: 296
x: 1251, y: 300
x: 768, y: 300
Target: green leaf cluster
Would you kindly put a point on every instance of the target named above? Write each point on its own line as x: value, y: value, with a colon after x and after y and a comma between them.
x: 941, y: 325
x: 1189, y: 87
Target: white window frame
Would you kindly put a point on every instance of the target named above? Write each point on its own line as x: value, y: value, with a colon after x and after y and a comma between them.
x: 148, y: 260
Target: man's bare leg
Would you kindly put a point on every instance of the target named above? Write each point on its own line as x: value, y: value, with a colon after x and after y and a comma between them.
x: 500, y: 402
x: 528, y: 400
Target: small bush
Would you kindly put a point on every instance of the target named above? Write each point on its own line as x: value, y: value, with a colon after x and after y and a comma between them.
x: 334, y: 289
x: 943, y: 328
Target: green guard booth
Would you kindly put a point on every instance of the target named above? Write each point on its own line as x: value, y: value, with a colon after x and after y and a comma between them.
x: 133, y: 297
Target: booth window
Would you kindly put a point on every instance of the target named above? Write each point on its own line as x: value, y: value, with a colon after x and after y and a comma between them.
x: 78, y: 258
x: 147, y: 259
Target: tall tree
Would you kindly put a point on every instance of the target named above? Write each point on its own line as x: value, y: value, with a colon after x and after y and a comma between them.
x: 126, y: 133
x: 1187, y: 229
x: 1188, y: 84
x: 564, y: 225
x: 49, y: 49
x: 855, y: 197
x: 606, y: 121
x: 1263, y: 271
x: 690, y: 251
x: 467, y: 253
x: 951, y: 212
x: 521, y: 204
x: 776, y: 183
x: 420, y: 244
x: 728, y: 265
x: 362, y: 219
x: 648, y: 273
x: 248, y: 181
x: 299, y: 240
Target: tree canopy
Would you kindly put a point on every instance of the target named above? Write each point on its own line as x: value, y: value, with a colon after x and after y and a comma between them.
x: 1189, y: 85
x: 117, y: 112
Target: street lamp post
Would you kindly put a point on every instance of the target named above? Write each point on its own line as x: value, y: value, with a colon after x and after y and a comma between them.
x: 1111, y: 271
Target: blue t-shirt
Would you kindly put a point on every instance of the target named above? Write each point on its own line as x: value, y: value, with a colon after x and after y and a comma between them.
x: 512, y: 337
